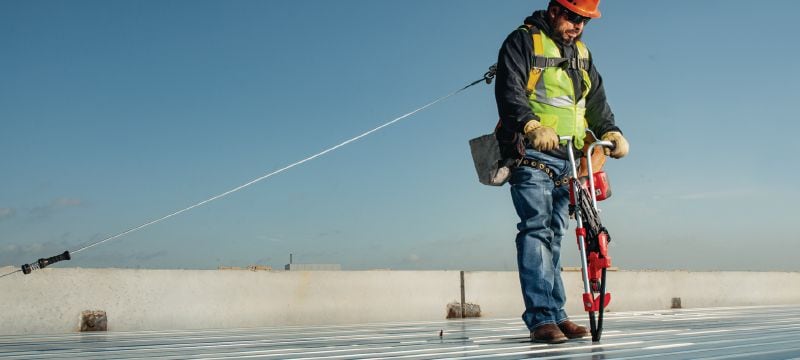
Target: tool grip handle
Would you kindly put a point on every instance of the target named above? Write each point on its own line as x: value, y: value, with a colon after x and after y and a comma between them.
x: 53, y: 259
x: 609, y: 144
x: 44, y: 262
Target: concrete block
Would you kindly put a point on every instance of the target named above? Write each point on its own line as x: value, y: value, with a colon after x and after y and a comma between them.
x: 94, y: 320
x: 470, y: 310
x: 676, y: 303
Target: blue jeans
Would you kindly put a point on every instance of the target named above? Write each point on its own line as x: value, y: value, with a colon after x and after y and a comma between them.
x: 543, y: 212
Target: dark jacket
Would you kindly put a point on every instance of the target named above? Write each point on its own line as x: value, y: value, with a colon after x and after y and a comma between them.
x: 513, y: 70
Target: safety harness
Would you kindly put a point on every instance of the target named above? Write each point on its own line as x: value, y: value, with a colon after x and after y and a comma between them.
x: 538, y: 63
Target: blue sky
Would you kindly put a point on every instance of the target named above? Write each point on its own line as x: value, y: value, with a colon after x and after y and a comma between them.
x: 114, y: 113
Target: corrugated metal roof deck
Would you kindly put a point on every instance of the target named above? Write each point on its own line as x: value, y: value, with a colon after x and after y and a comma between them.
x: 768, y: 332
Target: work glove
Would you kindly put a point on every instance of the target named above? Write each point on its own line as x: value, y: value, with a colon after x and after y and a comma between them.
x: 543, y: 138
x: 620, y: 144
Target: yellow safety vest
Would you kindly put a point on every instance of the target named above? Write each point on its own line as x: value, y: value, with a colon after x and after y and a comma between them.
x: 551, y: 93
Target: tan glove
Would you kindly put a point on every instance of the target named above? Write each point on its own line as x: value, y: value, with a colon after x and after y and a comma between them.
x: 621, y: 145
x: 543, y: 138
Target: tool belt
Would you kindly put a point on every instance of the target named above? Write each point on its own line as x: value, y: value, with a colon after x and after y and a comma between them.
x: 494, y: 169
x: 542, y: 167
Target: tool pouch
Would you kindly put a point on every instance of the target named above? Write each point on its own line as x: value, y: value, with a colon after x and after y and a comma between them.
x: 492, y: 169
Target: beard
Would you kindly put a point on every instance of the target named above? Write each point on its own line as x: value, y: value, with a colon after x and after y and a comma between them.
x: 567, y: 36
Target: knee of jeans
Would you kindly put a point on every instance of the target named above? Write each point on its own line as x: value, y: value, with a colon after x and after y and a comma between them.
x: 534, y: 225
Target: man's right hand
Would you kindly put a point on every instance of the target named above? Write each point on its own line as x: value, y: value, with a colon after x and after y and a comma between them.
x: 620, y: 144
x: 543, y: 138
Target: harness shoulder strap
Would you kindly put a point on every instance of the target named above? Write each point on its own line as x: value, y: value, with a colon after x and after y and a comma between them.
x: 538, y: 47
x: 538, y: 53
x: 583, y: 54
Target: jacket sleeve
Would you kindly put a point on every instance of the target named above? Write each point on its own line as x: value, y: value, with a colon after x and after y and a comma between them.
x: 513, y: 69
x: 598, y: 112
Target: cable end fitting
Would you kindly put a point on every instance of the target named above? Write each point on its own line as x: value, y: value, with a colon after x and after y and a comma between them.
x: 44, y: 262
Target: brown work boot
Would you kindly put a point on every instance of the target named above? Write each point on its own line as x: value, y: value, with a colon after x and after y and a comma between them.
x: 548, y: 333
x: 573, y: 330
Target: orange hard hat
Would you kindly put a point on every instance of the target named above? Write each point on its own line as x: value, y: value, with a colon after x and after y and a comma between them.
x: 587, y: 8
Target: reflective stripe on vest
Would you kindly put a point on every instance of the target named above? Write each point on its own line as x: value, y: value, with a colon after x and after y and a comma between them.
x: 551, y: 93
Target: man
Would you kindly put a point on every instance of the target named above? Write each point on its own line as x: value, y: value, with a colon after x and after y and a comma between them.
x: 547, y: 86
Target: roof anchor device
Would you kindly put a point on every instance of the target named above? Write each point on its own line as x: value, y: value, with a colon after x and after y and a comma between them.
x: 43, y: 263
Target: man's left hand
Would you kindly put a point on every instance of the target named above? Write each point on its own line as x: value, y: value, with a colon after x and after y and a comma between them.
x: 620, y: 144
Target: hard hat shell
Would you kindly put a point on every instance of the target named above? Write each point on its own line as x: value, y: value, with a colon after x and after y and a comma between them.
x: 588, y: 8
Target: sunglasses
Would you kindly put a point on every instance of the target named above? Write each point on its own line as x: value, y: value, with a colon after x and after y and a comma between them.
x: 573, y: 17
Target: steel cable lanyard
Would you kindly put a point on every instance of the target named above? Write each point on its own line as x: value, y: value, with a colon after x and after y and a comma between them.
x: 67, y: 255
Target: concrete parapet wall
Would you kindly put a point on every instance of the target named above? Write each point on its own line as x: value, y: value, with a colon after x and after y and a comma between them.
x: 52, y: 300
x: 704, y: 289
x: 499, y: 293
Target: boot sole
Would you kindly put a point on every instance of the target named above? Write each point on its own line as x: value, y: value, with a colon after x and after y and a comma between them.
x: 551, y: 341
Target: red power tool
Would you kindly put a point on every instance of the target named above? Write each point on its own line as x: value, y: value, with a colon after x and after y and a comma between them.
x: 593, y: 237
